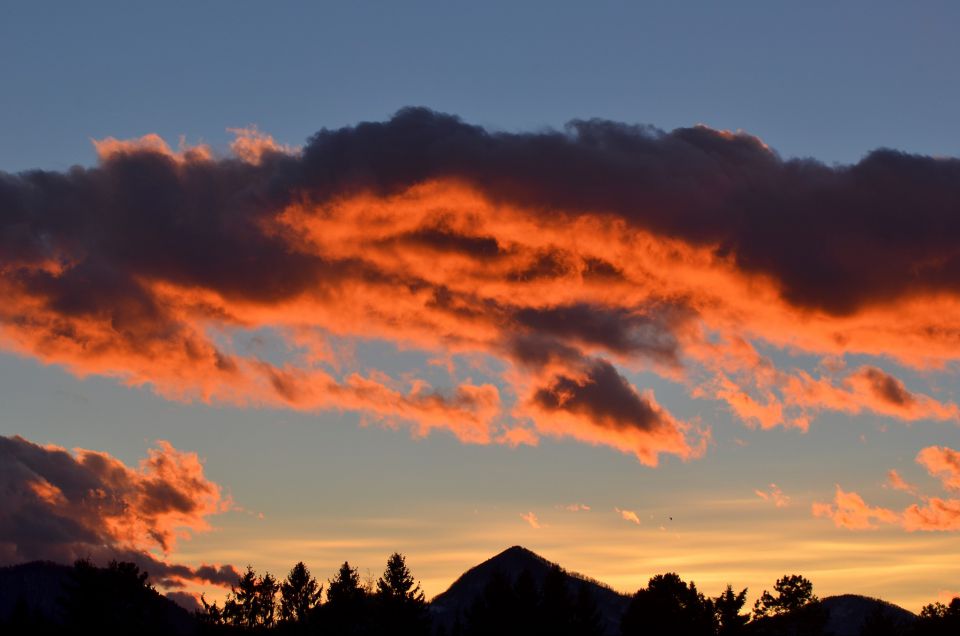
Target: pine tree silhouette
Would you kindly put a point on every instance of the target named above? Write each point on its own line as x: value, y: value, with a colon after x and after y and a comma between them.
x: 401, y: 606
x: 299, y: 595
x: 727, y: 607
x: 346, y: 611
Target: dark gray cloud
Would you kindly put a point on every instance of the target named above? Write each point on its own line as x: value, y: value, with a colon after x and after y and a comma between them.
x: 834, y: 237
x: 61, y: 507
x: 604, y: 397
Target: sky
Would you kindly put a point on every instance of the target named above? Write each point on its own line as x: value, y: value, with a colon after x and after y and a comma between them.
x: 642, y: 287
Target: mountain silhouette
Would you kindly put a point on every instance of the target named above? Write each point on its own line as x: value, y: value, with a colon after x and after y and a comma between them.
x: 457, y: 599
x: 848, y: 613
x: 39, y: 587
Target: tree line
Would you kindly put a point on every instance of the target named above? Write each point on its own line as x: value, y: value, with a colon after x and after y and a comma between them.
x: 119, y: 599
x: 297, y: 605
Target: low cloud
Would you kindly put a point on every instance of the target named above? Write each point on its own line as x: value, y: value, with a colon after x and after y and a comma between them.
x: 895, y: 481
x: 62, y: 506
x: 850, y: 511
x: 599, y: 406
x: 943, y: 463
x: 932, y: 514
x: 531, y: 519
x: 628, y: 515
x: 774, y: 495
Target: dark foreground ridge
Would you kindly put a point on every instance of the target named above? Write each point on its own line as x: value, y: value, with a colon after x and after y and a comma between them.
x: 41, y: 597
x: 516, y: 592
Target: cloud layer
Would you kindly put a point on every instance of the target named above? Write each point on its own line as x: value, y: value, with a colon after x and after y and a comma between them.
x: 541, y: 270
x: 849, y: 510
x: 63, y: 506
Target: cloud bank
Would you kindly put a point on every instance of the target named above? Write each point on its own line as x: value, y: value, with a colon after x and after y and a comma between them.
x: 61, y: 506
x: 545, y: 268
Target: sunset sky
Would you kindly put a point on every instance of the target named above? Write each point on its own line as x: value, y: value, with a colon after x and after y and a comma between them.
x: 671, y: 287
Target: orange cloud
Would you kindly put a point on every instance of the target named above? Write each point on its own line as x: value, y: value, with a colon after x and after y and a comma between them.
x: 110, y: 148
x: 531, y: 519
x: 850, y: 511
x: 935, y: 514
x: 628, y: 515
x: 599, y: 406
x: 250, y: 144
x: 942, y: 463
x: 61, y: 506
x: 619, y: 250
x: 775, y: 495
x: 866, y: 389
x: 576, y: 507
x: 895, y: 481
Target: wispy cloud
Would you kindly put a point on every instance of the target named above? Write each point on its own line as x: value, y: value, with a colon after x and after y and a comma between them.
x: 895, y: 481
x: 628, y: 515
x: 932, y: 514
x: 576, y: 507
x: 531, y: 519
x: 774, y: 495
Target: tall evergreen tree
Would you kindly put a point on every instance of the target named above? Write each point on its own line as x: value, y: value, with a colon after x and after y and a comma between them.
x: 251, y: 602
x: 347, y: 608
x: 727, y: 607
x: 266, y: 600
x: 240, y: 606
x: 299, y: 595
x: 401, y: 605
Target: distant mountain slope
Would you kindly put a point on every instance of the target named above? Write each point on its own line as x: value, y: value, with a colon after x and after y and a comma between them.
x: 458, y: 598
x: 849, y: 611
x: 39, y: 585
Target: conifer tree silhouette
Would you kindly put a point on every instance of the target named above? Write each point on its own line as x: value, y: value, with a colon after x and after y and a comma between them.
x: 730, y: 622
x: 251, y: 603
x: 401, y: 605
x: 240, y: 607
x: 299, y: 595
x: 265, y: 600
x: 346, y: 611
